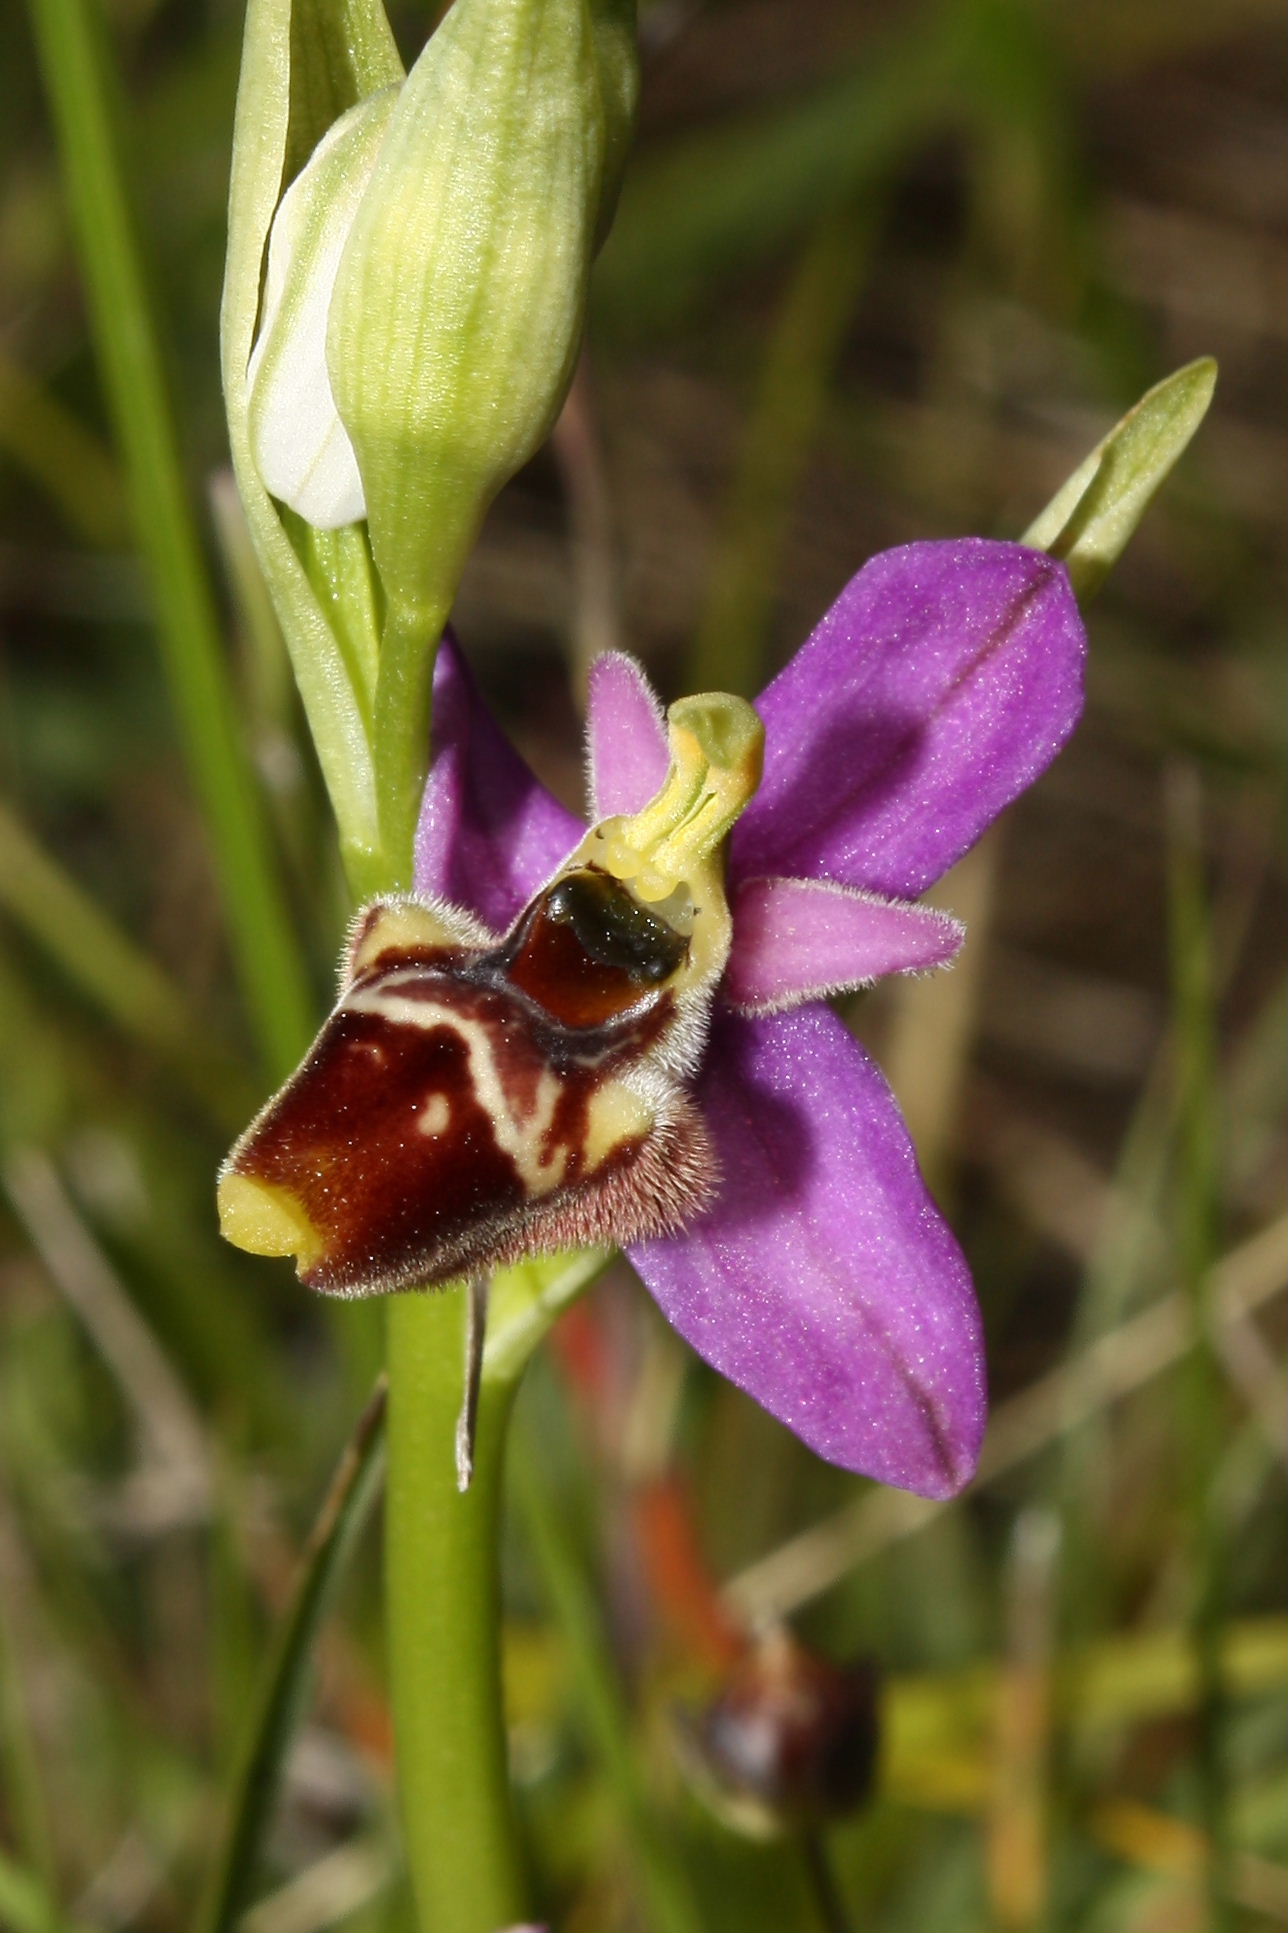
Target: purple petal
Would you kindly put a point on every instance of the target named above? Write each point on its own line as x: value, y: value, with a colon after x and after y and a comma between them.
x: 625, y: 737
x: 942, y: 681
x: 489, y: 833
x: 799, y: 939
x: 824, y: 1280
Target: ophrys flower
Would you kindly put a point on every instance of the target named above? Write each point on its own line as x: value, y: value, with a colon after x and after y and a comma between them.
x: 768, y: 1193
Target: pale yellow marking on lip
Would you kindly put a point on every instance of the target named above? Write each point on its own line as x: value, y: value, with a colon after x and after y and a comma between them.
x: 518, y: 1137
x: 615, y: 1115
x: 435, y: 1116
x: 401, y: 928
x: 264, y: 1219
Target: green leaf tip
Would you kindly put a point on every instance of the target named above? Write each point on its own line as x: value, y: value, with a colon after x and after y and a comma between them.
x: 1088, y: 522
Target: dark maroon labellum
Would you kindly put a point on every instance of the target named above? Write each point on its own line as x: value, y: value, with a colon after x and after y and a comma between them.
x: 465, y: 1104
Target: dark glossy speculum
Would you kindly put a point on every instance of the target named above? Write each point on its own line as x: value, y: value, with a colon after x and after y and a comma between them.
x: 586, y: 949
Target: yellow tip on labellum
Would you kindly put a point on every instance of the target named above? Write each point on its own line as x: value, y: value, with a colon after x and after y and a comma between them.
x: 265, y: 1220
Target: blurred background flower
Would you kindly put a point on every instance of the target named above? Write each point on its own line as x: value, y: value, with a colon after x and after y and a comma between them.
x: 878, y: 274
x: 789, y: 1742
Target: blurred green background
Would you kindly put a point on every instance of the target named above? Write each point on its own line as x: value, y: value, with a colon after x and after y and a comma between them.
x: 879, y: 272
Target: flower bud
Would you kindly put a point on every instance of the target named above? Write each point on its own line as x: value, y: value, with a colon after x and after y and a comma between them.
x: 305, y: 64
x: 791, y: 1741
x: 399, y: 329
x: 460, y: 296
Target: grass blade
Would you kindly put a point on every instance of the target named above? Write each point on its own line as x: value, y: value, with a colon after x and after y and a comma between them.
x: 77, y: 80
x: 671, y: 1905
x: 110, y: 971
x: 342, y: 1515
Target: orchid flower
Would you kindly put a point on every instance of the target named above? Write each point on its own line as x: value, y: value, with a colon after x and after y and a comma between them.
x: 733, y: 1135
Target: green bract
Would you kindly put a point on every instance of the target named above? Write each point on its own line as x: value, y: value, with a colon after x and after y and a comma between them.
x: 1091, y: 517
x: 407, y: 270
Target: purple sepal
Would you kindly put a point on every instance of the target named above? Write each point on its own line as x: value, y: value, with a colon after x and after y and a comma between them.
x: 942, y: 681
x: 799, y: 939
x: 824, y: 1281
x: 626, y: 745
x: 489, y: 833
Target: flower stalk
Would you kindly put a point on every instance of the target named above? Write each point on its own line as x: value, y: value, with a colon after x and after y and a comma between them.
x: 401, y: 725
x: 443, y: 1619
x: 407, y: 276
x: 407, y: 268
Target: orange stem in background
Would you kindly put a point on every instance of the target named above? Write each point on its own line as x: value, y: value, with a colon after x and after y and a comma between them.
x: 685, y: 1593
x: 681, y: 1582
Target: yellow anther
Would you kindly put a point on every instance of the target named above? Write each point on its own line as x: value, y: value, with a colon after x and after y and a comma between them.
x: 717, y: 751
x: 670, y: 855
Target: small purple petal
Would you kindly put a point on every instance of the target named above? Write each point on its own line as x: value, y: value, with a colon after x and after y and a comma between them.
x: 489, y: 833
x: 824, y: 1280
x: 625, y: 737
x: 943, y: 680
x: 800, y: 939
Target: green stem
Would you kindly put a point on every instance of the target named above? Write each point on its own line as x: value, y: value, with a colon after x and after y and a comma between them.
x: 78, y: 81
x: 443, y: 1598
x: 404, y: 688
x: 820, y: 1877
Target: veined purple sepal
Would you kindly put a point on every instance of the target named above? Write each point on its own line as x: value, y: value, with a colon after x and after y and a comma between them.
x: 823, y: 1280
x: 943, y: 680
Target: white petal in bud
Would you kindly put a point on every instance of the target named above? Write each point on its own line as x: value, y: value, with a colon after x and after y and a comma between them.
x: 300, y: 446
